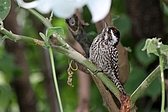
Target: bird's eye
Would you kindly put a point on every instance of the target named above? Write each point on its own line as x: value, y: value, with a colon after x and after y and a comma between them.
x: 116, y: 32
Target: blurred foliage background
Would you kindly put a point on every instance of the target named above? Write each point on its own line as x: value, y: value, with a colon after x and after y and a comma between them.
x: 140, y: 64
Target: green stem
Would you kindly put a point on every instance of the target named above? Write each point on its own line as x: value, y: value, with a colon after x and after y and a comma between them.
x: 15, y: 37
x: 144, y: 85
x: 47, y: 23
x: 161, y: 61
x: 55, y: 78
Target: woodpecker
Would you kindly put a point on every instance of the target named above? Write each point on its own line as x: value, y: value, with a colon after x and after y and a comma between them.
x: 103, y: 53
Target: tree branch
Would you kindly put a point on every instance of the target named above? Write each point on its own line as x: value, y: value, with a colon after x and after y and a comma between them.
x: 77, y: 28
x: 68, y: 51
x: 71, y: 53
x: 15, y: 37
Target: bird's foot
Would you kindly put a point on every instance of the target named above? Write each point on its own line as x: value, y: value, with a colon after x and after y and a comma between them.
x: 125, y: 103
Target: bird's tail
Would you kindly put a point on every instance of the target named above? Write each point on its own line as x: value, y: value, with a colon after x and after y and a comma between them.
x: 118, y: 84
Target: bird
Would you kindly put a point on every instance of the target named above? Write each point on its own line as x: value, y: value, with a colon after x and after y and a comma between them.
x: 103, y: 53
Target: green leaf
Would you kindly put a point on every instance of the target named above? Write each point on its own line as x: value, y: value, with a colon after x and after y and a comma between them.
x: 5, y: 6
x: 43, y: 37
x: 151, y: 46
x: 54, y: 30
x: 156, y: 47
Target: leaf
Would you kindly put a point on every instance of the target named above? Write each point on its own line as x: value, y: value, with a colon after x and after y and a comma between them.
x: 54, y: 30
x: 5, y: 6
x: 43, y: 37
x: 151, y: 46
x: 154, y: 46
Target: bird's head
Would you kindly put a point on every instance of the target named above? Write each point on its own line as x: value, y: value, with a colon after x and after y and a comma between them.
x: 111, y: 34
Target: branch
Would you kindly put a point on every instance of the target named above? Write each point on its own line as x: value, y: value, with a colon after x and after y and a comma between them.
x: 68, y: 51
x: 71, y: 53
x: 81, y: 36
x: 76, y: 25
x: 15, y: 37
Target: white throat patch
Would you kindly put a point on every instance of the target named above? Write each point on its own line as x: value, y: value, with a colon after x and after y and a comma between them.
x: 114, y: 37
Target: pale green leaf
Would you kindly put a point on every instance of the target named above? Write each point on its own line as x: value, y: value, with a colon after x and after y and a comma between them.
x: 5, y: 6
x: 151, y: 46
x: 54, y: 30
x: 43, y: 37
x: 154, y: 46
